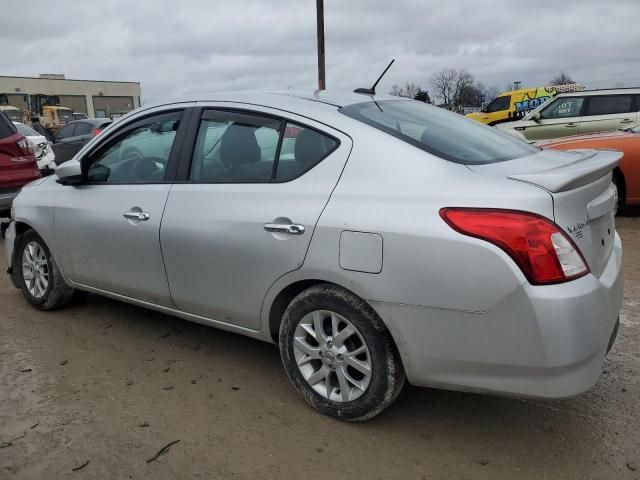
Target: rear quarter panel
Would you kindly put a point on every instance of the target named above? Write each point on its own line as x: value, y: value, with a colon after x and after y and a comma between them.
x: 395, y: 190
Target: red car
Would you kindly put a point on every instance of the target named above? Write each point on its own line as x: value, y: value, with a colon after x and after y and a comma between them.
x: 18, y: 164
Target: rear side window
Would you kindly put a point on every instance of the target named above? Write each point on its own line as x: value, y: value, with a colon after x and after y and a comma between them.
x: 83, y: 129
x: 66, y: 132
x: 7, y: 128
x: 609, y: 104
x: 235, y: 147
x: 499, y: 104
x: 445, y: 134
x: 302, y: 149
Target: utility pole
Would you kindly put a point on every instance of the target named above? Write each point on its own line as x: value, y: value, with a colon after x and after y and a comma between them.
x: 320, y: 30
x: 516, y: 85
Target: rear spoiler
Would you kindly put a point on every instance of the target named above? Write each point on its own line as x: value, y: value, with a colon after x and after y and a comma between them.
x: 590, y: 166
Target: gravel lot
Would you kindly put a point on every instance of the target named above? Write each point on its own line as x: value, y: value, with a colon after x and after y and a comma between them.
x: 110, y: 384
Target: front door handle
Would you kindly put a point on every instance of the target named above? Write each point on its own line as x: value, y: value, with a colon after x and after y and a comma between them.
x: 292, y: 228
x: 571, y: 125
x: 627, y: 120
x: 133, y: 215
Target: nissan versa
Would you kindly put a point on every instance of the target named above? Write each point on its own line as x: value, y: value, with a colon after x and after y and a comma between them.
x: 376, y: 240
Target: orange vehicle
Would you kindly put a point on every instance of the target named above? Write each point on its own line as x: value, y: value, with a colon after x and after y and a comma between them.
x: 626, y: 177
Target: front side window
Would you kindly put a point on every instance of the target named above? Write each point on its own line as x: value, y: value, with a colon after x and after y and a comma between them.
x: 140, y: 155
x: 499, y: 104
x: 445, y: 134
x: 565, y: 107
x: 234, y: 147
x: 609, y: 104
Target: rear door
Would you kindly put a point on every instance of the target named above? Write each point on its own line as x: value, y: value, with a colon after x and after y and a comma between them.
x: 253, y: 187
x: 560, y: 118
x: 608, y: 112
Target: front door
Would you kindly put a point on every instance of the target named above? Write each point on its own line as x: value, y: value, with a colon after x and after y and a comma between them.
x: 107, y: 229
x: 560, y: 118
x: 245, y: 215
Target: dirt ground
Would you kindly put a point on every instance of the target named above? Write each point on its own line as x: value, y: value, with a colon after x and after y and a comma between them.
x: 110, y: 384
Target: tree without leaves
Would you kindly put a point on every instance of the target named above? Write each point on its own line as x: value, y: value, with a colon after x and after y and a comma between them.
x: 562, y: 79
x: 463, y: 88
x: 410, y: 90
x: 444, y: 84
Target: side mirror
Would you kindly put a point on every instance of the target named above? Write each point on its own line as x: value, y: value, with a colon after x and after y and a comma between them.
x: 69, y: 173
x: 535, y: 117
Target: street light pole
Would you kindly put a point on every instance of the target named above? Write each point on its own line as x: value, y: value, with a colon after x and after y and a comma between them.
x: 320, y: 30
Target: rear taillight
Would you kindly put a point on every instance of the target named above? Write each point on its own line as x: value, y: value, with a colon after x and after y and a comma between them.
x: 96, y: 131
x: 544, y: 253
x: 25, y: 146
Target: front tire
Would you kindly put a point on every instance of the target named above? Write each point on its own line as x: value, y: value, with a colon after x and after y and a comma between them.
x: 339, y: 355
x: 38, y: 275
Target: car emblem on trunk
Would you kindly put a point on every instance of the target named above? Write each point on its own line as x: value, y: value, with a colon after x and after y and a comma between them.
x: 576, y: 228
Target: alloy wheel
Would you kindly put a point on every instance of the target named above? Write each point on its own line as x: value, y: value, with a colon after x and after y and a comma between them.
x: 332, y: 356
x: 35, y: 269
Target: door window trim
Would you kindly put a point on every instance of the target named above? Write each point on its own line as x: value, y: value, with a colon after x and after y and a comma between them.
x: 208, y: 113
x: 180, y: 114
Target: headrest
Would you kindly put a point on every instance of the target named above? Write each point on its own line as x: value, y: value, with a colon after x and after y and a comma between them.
x: 239, y: 145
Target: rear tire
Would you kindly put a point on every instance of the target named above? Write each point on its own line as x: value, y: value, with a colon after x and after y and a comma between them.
x: 618, y: 183
x: 339, y: 355
x: 38, y: 275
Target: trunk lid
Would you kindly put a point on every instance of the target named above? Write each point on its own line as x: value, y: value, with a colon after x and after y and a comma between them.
x: 579, y: 183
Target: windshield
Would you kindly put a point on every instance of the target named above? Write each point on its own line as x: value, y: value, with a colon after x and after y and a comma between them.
x: 440, y: 132
x: 635, y: 129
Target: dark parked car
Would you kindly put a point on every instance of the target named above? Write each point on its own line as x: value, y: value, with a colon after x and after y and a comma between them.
x: 74, y: 135
x: 17, y: 163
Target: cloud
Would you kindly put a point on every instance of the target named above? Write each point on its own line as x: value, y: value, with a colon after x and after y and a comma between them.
x: 193, y: 47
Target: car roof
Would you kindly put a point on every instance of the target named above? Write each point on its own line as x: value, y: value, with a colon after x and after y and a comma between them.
x: 93, y: 121
x: 607, y: 91
x: 288, y: 99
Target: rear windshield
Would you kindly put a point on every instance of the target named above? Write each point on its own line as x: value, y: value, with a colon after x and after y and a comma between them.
x: 6, y: 127
x: 26, y: 131
x: 440, y: 132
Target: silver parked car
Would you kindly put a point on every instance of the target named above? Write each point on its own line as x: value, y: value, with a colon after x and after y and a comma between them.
x: 373, y: 238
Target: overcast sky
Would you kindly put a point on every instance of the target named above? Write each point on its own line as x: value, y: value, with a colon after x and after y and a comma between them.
x: 188, y: 48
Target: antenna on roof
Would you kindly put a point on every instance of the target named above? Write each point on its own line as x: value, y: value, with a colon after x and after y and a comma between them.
x: 372, y: 90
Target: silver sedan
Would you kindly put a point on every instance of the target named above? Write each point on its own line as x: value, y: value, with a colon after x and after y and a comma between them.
x: 376, y: 240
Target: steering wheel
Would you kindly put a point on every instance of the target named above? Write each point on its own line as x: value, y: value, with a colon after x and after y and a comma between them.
x: 144, y: 168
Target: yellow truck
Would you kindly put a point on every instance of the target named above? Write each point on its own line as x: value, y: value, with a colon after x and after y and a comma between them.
x: 54, y: 117
x: 513, y: 105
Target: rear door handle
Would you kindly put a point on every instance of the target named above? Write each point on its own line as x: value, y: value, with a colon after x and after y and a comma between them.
x: 133, y: 215
x: 292, y: 228
x: 571, y: 125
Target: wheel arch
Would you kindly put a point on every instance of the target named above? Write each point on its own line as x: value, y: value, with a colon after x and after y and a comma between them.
x: 288, y: 292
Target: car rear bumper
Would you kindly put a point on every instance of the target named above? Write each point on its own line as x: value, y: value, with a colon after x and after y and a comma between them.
x: 541, y: 341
